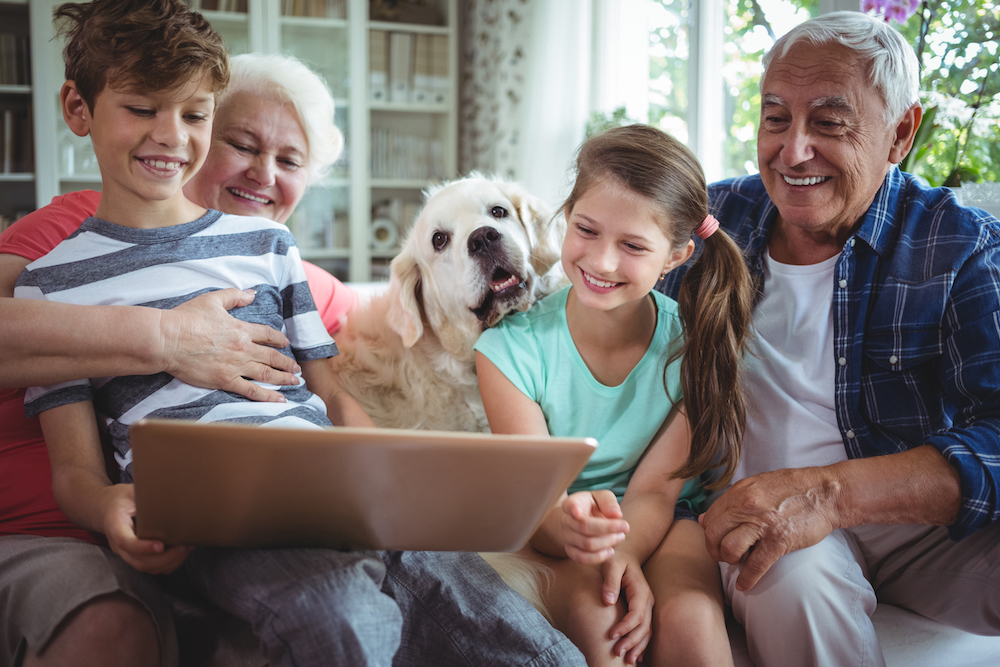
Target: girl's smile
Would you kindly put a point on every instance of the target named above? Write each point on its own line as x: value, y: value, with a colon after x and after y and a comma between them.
x: 598, y: 285
x: 615, y: 248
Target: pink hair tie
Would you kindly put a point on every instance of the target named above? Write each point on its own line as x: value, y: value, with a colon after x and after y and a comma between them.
x: 707, y: 227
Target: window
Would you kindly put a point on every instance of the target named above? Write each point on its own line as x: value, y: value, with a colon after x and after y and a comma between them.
x: 718, y: 45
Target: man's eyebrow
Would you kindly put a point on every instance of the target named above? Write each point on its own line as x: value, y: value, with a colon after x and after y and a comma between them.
x: 770, y: 100
x: 833, y: 102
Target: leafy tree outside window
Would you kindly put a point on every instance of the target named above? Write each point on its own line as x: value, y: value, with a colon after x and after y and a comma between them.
x: 958, y: 42
x: 960, y: 79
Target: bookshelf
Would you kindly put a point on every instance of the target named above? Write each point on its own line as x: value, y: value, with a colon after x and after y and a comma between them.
x: 351, y: 222
x: 17, y: 155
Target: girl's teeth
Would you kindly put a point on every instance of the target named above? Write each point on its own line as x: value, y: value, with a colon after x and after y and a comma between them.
x: 599, y: 283
x: 812, y: 180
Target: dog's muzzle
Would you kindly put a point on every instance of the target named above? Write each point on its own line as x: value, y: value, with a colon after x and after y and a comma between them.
x: 507, y: 287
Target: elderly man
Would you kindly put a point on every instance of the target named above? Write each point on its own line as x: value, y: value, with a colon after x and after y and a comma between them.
x: 871, y: 465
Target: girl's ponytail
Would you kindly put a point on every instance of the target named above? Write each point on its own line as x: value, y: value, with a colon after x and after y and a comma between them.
x: 715, y: 297
x: 715, y: 303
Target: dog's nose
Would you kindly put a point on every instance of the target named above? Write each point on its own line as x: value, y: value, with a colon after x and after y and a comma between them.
x: 481, y: 240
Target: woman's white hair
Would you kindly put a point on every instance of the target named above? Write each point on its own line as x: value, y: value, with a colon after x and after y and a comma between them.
x: 288, y: 80
x: 892, y: 64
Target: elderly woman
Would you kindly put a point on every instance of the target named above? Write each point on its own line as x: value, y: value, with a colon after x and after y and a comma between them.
x: 273, y: 137
x: 67, y: 594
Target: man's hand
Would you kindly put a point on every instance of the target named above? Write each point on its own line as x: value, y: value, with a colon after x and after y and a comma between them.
x: 761, y: 518
x: 205, y: 346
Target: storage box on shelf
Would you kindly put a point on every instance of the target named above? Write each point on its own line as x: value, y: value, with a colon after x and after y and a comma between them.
x: 334, y: 222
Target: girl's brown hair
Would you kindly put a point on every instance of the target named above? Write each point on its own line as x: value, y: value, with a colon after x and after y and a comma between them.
x: 143, y: 45
x: 715, y: 299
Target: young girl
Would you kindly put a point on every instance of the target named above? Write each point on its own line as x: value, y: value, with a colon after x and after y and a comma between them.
x: 608, y: 357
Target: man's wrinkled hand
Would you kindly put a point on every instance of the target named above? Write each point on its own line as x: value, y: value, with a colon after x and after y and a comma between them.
x: 761, y: 518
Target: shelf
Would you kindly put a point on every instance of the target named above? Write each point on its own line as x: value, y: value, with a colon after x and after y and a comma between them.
x: 410, y: 107
x: 214, y: 16
x: 401, y: 183
x: 393, y: 26
x: 333, y: 223
x: 315, y: 23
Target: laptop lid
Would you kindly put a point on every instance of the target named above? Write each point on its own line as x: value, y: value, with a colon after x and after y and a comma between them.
x: 238, y: 485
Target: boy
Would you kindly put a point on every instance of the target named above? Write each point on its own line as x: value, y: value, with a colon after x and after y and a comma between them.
x: 142, y: 79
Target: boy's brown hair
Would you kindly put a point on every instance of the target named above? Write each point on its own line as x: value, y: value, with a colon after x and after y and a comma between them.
x: 140, y: 45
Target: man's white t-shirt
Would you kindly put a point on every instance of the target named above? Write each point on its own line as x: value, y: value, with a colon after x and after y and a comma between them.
x: 791, y: 417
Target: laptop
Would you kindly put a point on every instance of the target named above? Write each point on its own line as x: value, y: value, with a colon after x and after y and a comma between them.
x: 238, y: 485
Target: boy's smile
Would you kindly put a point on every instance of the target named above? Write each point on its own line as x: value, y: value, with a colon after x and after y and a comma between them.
x: 148, y: 145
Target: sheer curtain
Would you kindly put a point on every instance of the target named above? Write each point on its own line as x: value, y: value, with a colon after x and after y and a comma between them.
x: 533, y: 71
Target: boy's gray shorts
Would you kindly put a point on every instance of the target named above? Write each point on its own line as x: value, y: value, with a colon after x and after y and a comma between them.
x: 43, y: 580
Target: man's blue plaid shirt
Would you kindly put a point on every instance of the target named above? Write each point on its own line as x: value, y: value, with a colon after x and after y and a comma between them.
x: 916, y: 317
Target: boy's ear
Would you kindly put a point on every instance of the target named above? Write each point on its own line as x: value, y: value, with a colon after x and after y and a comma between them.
x: 75, y: 111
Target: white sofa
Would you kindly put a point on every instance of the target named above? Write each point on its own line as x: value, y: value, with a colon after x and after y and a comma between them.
x: 908, y: 640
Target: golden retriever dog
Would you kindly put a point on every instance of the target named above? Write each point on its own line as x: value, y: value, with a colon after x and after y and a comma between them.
x: 480, y: 248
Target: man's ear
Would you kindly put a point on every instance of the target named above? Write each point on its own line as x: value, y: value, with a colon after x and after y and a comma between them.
x: 75, y: 111
x: 905, y: 132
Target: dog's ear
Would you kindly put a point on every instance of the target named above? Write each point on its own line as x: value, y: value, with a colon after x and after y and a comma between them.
x: 404, y: 299
x: 545, y: 231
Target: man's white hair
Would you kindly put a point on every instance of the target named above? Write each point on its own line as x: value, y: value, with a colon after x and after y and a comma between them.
x: 892, y: 65
x: 288, y: 80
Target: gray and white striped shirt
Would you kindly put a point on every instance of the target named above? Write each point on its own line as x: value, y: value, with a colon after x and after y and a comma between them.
x: 107, y: 264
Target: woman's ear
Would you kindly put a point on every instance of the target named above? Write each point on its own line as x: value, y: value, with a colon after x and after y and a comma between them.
x: 75, y: 111
x: 679, y: 256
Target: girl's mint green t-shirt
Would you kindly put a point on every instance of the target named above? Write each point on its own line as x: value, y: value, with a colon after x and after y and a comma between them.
x: 535, y: 351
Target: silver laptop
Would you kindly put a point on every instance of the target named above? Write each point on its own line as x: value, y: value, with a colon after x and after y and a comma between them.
x: 238, y: 485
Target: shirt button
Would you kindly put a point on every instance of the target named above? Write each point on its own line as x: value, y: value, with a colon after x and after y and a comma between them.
x: 852, y: 243
x: 894, y: 360
x: 842, y: 283
x: 842, y: 361
x: 850, y: 435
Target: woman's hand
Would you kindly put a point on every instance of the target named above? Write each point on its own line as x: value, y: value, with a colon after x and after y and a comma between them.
x: 205, y: 346
x: 633, y: 632
x: 590, y: 526
x: 144, y: 555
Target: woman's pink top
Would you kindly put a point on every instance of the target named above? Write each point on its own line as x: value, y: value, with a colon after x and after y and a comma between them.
x: 27, y: 506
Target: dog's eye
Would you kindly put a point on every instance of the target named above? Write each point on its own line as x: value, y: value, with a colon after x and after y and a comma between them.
x: 440, y: 240
x: 498, y: 212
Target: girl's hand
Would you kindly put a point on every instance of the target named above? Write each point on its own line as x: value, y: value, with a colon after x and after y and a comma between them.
x: 633, y: 632
x: 591, y: 525
x: 144, y: 555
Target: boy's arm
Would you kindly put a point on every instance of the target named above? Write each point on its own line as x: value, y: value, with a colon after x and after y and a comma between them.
x: 198, y: 342
x: 341, y: 407
x: 86, y: 495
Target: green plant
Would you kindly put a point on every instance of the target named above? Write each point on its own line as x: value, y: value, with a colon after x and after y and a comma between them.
x: 958, y: 46
x: 605, y: 121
